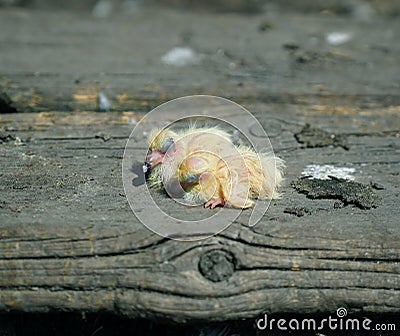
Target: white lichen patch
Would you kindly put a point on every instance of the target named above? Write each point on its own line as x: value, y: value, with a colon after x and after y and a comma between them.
x: 324, y: 172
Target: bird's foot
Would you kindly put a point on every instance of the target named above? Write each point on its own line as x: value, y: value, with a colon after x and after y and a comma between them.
x: 213, y: 203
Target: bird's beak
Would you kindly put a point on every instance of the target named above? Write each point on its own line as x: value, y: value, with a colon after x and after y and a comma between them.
x: 154, y: 158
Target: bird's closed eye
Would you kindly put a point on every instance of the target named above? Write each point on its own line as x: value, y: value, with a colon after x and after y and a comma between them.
x: 167, y: 145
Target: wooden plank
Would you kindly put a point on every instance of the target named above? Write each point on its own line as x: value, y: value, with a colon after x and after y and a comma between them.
x: 69, y: 241
x: 68, y: 238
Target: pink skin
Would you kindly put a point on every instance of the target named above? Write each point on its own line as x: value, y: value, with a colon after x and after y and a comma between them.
x: 155, y: 158
x: 213, y: 203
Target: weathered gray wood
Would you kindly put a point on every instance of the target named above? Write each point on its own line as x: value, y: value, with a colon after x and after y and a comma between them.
x: 68, y: 238
x: 69, y: 241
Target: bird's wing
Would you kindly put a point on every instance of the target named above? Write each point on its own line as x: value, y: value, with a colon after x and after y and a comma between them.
x: 234, y: 179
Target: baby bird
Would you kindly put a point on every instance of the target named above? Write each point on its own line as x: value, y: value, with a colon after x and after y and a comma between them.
x: 168, y: 149
x: 205, y: 166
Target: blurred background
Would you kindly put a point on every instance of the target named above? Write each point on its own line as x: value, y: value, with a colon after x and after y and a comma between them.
x: 339, y: 7
x: 60, y: 55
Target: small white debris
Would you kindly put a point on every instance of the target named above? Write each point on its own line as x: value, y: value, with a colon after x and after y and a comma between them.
x: 180, y: 56
x: 132, y: 121
x: 232, y: 65
x: 324, y: 172
x: 338, y: 38
x: 102, y: 9
x: 18, y: 141
x: 103, y: 102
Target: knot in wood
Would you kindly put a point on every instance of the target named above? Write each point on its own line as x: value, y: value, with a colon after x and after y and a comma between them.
x: 217, y: 265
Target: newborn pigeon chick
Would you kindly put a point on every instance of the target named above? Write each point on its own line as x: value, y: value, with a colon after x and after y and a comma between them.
x: 167, y: 149
x: 207, y: 167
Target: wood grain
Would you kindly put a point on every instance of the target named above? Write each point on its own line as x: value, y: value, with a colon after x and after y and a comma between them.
x: 68, y: 238
x: 69, y: 241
